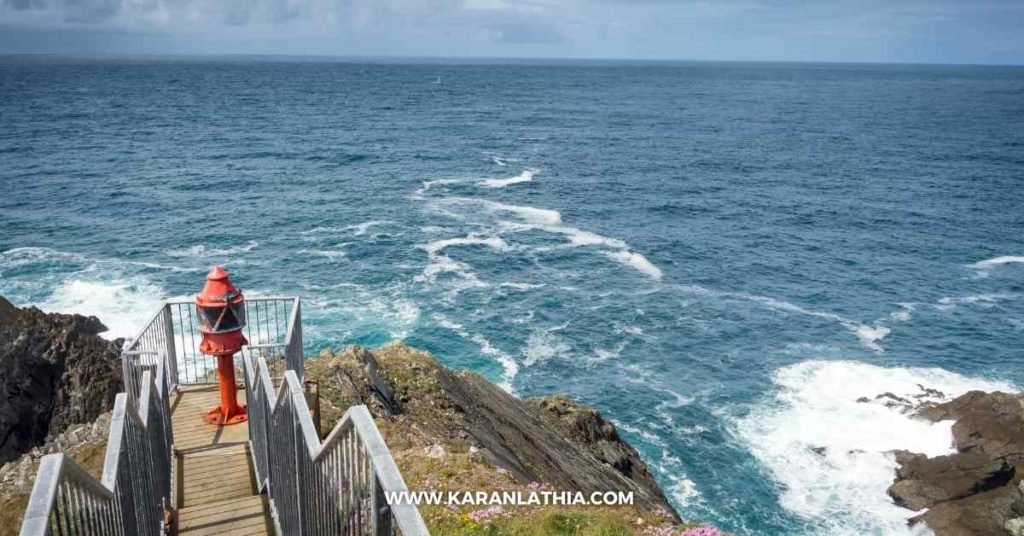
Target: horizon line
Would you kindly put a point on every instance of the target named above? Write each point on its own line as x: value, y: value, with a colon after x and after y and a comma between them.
x: 396, y: 58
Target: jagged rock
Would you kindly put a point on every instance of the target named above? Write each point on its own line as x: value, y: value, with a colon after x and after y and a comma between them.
x: 532, y: 450
x: 925, y: 481
x: 974, y: 491
x: 381, y: 387
x: 992, y: 423
x: 983, y: 514
x: 55, y: 371
x: 585, y: 427
x: 549, y: 440
x: 896, y: 402
x: 929, y: 392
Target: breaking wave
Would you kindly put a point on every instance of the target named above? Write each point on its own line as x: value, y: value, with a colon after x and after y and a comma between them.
x: 122, y: 294
x: 637, y: 261
x: 527, y: 218
x: 842, y: 446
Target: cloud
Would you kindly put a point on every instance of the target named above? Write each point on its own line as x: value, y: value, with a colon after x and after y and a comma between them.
x: 866, y: 30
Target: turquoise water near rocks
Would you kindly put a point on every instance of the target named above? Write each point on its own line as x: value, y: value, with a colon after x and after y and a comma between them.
x: 722, y: 258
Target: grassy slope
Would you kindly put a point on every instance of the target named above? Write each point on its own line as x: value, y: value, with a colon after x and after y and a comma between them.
x: 13, y: 502
x: 434, y: 452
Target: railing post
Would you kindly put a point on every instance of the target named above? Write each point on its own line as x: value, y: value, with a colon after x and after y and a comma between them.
x: 382, y: 525
x: 171, y: 353
x: 293, y: 352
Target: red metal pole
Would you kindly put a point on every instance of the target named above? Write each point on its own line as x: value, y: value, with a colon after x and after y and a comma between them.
x: 229, y: 411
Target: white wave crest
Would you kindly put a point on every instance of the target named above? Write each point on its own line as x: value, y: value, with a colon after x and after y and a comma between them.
x: 606, y: 354
x: 843, y: 489
x: 428, y: 185
x: 637, y: 261
x: 332, y: 254
x: 493, y: 242
x: 358, y: 229
x: 30, y: 255
x: 998, y: 261
x: 528, y: 214
x: 869, y: 336
x: 123, y: 305
x: 509, y: 365
x: 982, y: 300
x: 441, y: 263
x: 525, y: 176
x: 904, y: 314
x: 543, y: 345
x: 528, y: 218
x: 202, y: 252
x: 521, y: 286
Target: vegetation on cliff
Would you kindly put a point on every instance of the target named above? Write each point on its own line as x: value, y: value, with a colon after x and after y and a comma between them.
x: 454, y: 431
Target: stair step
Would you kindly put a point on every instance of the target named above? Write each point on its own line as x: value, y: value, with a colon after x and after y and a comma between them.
x: 235, y: 517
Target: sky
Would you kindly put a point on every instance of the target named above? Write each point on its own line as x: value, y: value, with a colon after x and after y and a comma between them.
x: 898, y: 31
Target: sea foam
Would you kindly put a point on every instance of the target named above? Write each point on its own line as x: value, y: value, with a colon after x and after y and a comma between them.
x: 525, y: 176
x: 123, y: 305
x: 998, y: 261
x: 637, y: 261
x: 527, y: 218
x: 543, y: 345
x: 118, y: 292
x: 843, y: 490
x: 203, y: 252
x: 868, y: 335
x: 509, y: 365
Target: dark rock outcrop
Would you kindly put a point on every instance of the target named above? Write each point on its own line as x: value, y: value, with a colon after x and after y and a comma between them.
x: 551, y: 440
x: 974, y: 491
x: 55, y: 371
x: 581, y: 456
x: 585, y: 428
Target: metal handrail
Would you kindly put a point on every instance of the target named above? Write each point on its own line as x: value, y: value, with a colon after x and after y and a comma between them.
x: 336, y: 486
x: 135, y: 488
x: 273, y: 327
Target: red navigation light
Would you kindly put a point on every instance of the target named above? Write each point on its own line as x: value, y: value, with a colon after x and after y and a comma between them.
x: 221, y: 309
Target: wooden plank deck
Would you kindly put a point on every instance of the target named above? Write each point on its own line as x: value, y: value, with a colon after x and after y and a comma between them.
x: 214, y: 487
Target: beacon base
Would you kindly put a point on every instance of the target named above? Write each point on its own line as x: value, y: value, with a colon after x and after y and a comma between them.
x: 216, y: 416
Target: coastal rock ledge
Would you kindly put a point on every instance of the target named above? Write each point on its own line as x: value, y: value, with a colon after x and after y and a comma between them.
x: 457, y: 431
x: 55, y: 371
x: 976, y: 491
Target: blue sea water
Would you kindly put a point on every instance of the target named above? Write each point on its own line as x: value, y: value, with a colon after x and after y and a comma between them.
x: 720, y: 257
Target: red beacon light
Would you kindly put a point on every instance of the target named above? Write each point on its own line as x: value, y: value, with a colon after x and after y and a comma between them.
x: 221, y: 309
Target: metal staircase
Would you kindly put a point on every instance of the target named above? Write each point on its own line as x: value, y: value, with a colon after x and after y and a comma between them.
x: 272, y: 474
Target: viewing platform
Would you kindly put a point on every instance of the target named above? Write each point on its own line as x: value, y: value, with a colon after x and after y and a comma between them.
x: 173, y: 467
x: 215, y: 487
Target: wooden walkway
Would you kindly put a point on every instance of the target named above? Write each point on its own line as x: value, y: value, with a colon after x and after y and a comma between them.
x: 214, y: 483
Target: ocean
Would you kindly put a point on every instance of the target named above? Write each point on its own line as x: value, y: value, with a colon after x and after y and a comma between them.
x: 720, y: 257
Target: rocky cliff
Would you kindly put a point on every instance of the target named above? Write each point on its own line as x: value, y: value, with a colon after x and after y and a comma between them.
x: 976, y: 491
x: 55, y: 371
x: 457, y: 431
